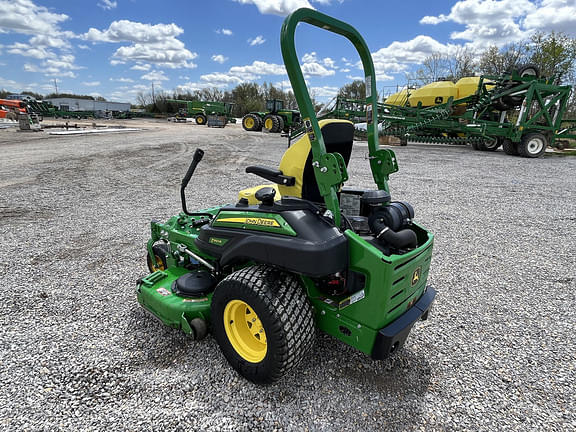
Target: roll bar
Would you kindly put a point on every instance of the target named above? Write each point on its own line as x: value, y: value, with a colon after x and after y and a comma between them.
x: 327, y: 183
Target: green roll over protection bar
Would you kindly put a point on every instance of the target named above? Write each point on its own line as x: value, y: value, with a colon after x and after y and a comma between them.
x: 329, y: 168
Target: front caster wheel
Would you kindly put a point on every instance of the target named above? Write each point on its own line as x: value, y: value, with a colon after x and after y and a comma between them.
x: 262, y: 321
x: 158, y: 261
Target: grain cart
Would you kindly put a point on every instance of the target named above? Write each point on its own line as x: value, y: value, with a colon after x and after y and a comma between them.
x: 275, y: 119
x: 518, y: 110
x: 200, y: 110
x: 300, y: 254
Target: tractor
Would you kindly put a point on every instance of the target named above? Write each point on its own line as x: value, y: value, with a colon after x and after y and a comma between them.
x: 298, y: 255
x: 200, y: 110
x: 276, y: 119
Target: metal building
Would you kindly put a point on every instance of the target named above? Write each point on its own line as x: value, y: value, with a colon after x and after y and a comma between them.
x: 73, y: 104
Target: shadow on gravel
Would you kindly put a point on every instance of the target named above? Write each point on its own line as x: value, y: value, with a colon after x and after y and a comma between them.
x: 334, y: 381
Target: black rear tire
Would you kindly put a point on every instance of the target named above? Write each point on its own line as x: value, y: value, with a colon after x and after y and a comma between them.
x: 277, y: 304
x: 200, y: 119
x: 529, y: 70
x: 271, y: 123
x: 491, y: 145
x: 509, y: 147
x: 251, y: 122
x: 280, y: 124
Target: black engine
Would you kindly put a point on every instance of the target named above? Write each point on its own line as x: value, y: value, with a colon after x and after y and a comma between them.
x: 388, y: 221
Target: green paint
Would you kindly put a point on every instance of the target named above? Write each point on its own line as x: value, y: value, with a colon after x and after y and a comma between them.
x: 387, y: 294
x: 312, y: 17
x: 155, y: 294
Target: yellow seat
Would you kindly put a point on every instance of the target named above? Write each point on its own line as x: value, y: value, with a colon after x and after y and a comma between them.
x: 297, y: 162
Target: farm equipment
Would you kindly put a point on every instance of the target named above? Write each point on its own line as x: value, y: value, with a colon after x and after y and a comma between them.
x: 200, y: 110
x: 518, y: 110
x: 300, y: 254
x: 344, y: 108
x: 275, y: 119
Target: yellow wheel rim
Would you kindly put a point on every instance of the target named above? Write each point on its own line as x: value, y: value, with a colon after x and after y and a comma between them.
x: 269, y: 124
x: 200, y: 120
x: 249, y: 122
x: 245, y: 331
x: 157, y: 264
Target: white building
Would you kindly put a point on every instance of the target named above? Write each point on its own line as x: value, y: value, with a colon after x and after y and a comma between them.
x: 72, y: 104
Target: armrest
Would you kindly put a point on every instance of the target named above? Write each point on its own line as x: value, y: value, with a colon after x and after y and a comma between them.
x: 273, y: 175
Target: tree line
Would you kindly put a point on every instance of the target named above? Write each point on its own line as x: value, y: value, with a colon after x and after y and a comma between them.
x: 246, y: 97
x: 554, y: 53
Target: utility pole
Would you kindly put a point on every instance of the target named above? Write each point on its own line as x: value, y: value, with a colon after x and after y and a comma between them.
x: 56, y: 86
x: 153, y: 98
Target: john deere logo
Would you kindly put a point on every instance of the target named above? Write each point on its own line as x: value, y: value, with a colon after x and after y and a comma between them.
x: 416, y: 276
x: 262, y: 222
x: 251, y: 221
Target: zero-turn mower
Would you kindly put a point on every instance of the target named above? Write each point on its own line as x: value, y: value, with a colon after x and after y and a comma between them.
x: 301, y: 254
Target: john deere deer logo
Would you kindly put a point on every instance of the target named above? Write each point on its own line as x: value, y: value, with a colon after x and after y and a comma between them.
x: 416, y: 275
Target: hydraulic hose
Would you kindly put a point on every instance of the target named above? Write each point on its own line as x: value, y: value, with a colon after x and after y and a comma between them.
x: 403, y: 239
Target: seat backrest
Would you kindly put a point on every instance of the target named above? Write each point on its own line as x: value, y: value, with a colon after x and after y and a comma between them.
x: 297, y: 160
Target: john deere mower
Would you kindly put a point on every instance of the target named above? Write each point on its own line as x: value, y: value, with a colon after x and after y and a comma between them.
x: 300, y: 254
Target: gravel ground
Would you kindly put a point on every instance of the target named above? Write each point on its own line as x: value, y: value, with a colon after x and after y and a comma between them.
x: 77, y: 353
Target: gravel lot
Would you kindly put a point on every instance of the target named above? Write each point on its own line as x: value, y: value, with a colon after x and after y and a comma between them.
x: 77, y: 353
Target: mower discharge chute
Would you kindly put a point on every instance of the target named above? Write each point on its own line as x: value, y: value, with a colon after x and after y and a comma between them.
x: 301, y: 254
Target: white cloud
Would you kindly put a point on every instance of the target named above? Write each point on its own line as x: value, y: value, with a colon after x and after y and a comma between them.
x: 141, y: 67
x: 26, y: 50
x: 487, y: 21
x: 225, y: 32
x: 83, y: 47
x: 219, y: 58
x: 221, y: 78
x: 345, y: 70
x: 328, y: 62
x: 316, y: 69
x: 311, y: 57
x: 150, y: 43
x: 194, y: 86
x: 285, y: 85
x: 170, y: 54
x: 8, y: 84
x: 62, y: 66
x: 23, y: 16
x: 324, y: 92
x: 91, y: 83
x: 49, y: 41
x: 52, y: 71
x: 107, y: 4
x: 130, y: 31
x: 311, y: 65
x: 124, y: 80
x: 412, y: 51
x: 155, y: 76
x: 558, y: 15
x: 258, y: 68
x: 258, y: 40
x: 355, y: 78
x: 277, y: 7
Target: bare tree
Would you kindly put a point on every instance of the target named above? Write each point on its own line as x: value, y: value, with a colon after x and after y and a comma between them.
x: 496, y: 61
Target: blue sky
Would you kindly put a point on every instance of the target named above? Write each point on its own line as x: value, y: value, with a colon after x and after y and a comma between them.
x: 118, y: 48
